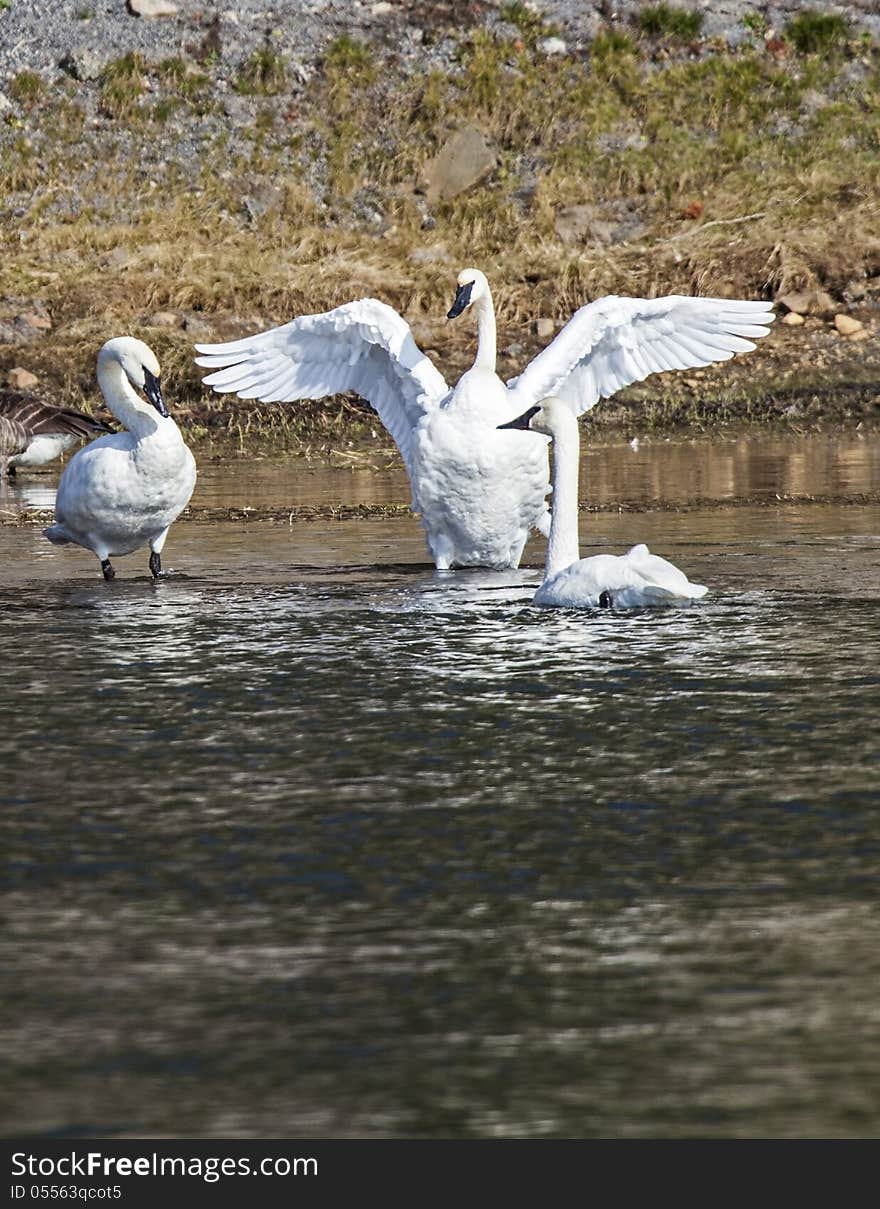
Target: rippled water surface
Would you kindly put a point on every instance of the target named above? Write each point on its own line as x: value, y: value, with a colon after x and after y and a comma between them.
x: 310, y: 840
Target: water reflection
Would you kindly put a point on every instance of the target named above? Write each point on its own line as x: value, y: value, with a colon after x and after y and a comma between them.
x: 741, y: 466
x: 838, y: 464
x: 672, y: 470
x: 28, y: 491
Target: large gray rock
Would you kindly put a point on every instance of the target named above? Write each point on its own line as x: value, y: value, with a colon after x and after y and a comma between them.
x: 20, y: 378
x: 587, y: 224
x: 262, y: 198
x: 83, y: 63
x: 809, y: 302
x: 464, y: 160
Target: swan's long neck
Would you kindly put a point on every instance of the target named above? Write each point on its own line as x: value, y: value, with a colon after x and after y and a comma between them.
x: 124, y: 401
x: 486, y: 334
x: 562, y: 545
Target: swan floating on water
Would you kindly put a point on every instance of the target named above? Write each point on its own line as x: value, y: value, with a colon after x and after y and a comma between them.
x: 33, y: 432
x: 624, y: 581
x: 126, y: 490
x: 478, y: 491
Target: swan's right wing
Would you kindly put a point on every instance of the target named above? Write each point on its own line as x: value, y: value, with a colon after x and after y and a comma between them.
x: 613, y: 342
x: 363, y: 346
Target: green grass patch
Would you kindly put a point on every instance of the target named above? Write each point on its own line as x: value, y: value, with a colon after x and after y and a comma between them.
x: 756, y: 23
x: 183, y: 80
x: 814, y: 33
x: 530, y: 23
x: 68, y: 120
x: 670, y: 21
x: 27, y: 87
x: 122, y: 85
x: 347, y: 54
x: 263, y: 74
x: 613, y: 56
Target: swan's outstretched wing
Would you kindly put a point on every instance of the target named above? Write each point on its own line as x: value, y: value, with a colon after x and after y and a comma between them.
x: 364, y: 346
x: 613, y: 342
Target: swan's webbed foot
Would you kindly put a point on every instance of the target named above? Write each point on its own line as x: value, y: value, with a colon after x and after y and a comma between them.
x: 606, y: 600
x: 107, y: 568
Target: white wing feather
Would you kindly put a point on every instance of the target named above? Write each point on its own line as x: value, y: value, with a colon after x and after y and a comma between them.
x: 614, y: 342
x: 363, y: 346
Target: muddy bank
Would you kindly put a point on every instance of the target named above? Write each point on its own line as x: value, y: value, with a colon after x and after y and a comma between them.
x: 37, y: 517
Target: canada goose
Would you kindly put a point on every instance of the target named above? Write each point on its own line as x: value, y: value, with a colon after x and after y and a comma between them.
x: 33, y: 432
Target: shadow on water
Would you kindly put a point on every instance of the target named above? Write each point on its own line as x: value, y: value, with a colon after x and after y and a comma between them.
x: 304, y: 842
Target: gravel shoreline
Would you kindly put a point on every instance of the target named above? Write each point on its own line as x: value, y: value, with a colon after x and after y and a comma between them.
x: 38, y: 35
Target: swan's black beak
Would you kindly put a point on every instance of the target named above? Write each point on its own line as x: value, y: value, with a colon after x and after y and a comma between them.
x: 153, y: 392
x: 462, y: 300
x: 521, y: 421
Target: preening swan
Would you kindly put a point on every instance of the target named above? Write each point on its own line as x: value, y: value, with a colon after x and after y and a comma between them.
x: 478, y: 490
x: 33, y: 433
x: 125, y: 490
x: 625, y: 581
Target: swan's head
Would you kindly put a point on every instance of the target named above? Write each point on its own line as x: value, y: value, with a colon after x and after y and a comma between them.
x: 139, y: 364
x: 472, y: 284
x: 551, y: 417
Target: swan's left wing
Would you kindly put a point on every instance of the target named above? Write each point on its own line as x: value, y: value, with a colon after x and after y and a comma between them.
x: 364, y: 346
x: 614, y: 342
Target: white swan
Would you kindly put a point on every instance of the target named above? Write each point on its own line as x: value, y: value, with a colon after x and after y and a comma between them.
x: 625, y: 581
x: 33, y: 432
x: 125, y: 490
x: 478, y: 491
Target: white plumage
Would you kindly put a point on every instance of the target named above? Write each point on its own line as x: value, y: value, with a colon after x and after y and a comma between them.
x: 478, y: 490
x: 125, y: 491
x: 636, y: 579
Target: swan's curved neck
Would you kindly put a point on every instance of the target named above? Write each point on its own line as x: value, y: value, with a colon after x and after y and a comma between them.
x: 124, y: 401
x: 486, y: 335
x: 562, y: 545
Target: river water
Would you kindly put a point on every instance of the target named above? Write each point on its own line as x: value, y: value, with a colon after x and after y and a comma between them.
x: 312, y: 841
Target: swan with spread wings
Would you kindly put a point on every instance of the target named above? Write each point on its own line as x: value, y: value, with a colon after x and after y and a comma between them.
x: 478, y: 490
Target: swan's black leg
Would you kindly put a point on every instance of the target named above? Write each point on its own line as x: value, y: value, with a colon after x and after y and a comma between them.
x: 606, y: 600
x: 107, y: 568
x: 155, y: 565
